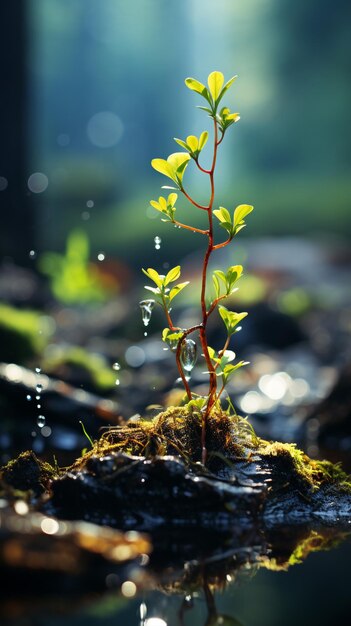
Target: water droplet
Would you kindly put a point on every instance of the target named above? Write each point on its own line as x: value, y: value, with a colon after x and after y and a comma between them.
x: 32, y: 254
x: 39, y: 388
x: 38, y: 182
x: 37, y: 397
x: 146, y: 310
x: 188, y: 354
x: 41, y: 421
x: 101, y: 256
x: 116, y: 366
x: 38, y: 370
x: 90, y: 204
x: 157, y: 241
x: 118, y: 382
x: 38, y: 406
x: 28, y: 396
x: 143, y: 610
x: 46, y: 431
x: 145, y: 334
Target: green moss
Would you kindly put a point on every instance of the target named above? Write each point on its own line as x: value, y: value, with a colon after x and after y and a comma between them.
x: 230, y: 438
x: 26, y: 474
x: 310, y: 471
x: 23, y: 333
x: 95, y: 365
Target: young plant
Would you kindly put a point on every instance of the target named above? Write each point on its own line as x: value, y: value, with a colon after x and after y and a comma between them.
x: 221, y: 364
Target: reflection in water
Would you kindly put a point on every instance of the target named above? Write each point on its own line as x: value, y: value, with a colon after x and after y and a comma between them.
x: 214, y: 618
x: 189, y: 568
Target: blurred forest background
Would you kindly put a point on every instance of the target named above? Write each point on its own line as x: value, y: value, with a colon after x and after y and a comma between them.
x: 93, y: 90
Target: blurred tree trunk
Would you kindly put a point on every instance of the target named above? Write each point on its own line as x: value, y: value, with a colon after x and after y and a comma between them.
x: 17, y: 228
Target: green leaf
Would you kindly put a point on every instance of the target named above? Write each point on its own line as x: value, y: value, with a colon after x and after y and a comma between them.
x: 209, y: 111
x: 221, y: 275
x: 240, y: 213
x: 181, y: 143
x: 230, y: 368
x: 163, y: 167
x: 195, y: 85
x: 177, y: 289
x: 216, y: 285
x: 174, y: 167
x: 203, y: 140
x: 178, y: 162
x: 156, y: 205
x: 192, y: 143
x: 172, y: 275
x: 233, y: 274
x: 198, y: 403
x: 222, y: 214
x: 170, y: 335
x: 154, y: 276
x: 211, y: 352
x: 230, y: 319
x: 215, y: 82
x: 172, y: 199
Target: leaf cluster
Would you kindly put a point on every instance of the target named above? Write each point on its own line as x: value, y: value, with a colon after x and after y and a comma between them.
x: 223, y: 363
x: 173, y: 167
x: 163, y: 293
x: 193, y: 144
x: 234, y: 224
x: 166, y: 207
x: 226, y: 279
x: 215, y: 91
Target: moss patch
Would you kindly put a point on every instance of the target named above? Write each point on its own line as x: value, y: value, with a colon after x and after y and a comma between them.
x: 230, y: 439
x: 26, y: 474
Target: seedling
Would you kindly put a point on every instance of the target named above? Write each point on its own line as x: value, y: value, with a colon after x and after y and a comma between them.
x: 221, y: 364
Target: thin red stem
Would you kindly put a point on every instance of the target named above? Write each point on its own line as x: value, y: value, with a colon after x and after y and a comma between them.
x: 199, y: 206
x: 222, y: 245
x: 203, y: 338
x: 202, y: 169
x: 192, y: 228
x: 214, y: 304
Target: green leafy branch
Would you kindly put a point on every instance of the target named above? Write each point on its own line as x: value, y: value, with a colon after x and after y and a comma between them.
x: 219, y: 364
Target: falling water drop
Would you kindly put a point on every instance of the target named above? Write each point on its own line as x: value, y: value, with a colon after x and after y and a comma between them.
x: 188, y: 354
x: 38, y: 370
x: 41, y: 421
x: 146, y: 310
x: 39, y: 388
x: 116, y: 366
x: 157, y: 241
x: 28, y: 396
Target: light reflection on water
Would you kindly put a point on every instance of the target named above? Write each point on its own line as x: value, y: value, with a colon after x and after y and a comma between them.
x: 243, y: 587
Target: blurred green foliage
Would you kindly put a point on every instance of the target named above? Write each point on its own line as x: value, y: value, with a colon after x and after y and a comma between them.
x: 94, y: 365
x: 291, y: 157
x: 23, y: 334
x: 74, y: 279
